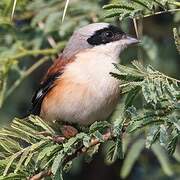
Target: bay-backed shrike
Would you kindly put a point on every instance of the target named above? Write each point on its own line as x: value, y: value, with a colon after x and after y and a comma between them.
x: 78, y: 87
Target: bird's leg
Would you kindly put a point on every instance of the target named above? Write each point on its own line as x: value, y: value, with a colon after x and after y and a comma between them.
x: 67, y: 132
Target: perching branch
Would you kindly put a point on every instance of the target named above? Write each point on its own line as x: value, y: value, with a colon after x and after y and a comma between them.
x: 41, y: 175
x: 94, y: 141
x: 81, y: 150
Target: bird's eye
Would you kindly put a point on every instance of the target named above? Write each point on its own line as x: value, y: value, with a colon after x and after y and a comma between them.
x: 108, y: 34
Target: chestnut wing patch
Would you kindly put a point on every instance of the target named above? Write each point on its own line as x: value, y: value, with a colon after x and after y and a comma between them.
x: 48, y: 83
x: 44, y: 88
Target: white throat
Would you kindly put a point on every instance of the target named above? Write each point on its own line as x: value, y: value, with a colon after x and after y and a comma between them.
x: 94, y: 65
x: 112, y: 50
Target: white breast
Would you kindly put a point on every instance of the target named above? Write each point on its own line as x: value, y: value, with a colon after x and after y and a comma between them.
x: 93, y: 69
x: 89, y: 94
x: 101, y: 93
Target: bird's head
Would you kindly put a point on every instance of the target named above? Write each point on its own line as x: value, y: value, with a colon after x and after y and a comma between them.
x: 103, y: 37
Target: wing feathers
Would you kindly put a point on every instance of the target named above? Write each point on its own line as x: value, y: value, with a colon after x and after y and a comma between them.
x: 54, y: 72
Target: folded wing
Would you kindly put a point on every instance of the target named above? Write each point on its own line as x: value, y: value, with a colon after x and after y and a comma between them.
x: 48, y: 82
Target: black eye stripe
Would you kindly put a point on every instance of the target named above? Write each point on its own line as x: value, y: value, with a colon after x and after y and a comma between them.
x: 106, y: 35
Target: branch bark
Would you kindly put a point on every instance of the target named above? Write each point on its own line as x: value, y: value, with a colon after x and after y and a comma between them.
x: 81, y: 150
x: 94, y: 141
x: 41, y: 175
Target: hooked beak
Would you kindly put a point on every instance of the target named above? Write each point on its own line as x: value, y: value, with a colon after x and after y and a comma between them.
x: 130, y: 40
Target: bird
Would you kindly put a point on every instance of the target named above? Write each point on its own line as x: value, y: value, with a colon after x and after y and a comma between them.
x: 78, y: 87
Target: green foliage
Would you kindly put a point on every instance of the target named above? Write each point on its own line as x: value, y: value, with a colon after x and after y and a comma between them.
x: 132, y: 156
x: 137, y: 8
x: 161, y: 94
x: 28, y: 146
x: 36, y: 33
x: 164, y: 161
x: 30, y: 142
x: 45, y: 35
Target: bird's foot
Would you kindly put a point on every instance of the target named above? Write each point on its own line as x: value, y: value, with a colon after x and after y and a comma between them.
x: 68, y: 131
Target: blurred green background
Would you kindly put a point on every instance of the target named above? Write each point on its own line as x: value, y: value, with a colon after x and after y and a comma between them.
x: 37, y: 25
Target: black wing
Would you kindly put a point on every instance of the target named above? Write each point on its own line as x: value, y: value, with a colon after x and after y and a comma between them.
x: 39, y: 95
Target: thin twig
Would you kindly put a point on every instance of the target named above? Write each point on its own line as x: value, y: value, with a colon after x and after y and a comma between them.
x: 161, y: 12
x: 65, y: 9
x: 3, y: 91
x: 41, y: 175
x: 135, y: 27
x: 37, y: 52
x: 139, y: 32
x: 13, y: 9
x: 34, y: 53
x: 172, y: 79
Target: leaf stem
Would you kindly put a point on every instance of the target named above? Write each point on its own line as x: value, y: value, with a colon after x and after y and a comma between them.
x: 170, y: 78
x: 34, y: 53
x: 161, y: 75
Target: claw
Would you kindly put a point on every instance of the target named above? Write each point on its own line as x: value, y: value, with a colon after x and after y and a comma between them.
x: 68, y: 131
